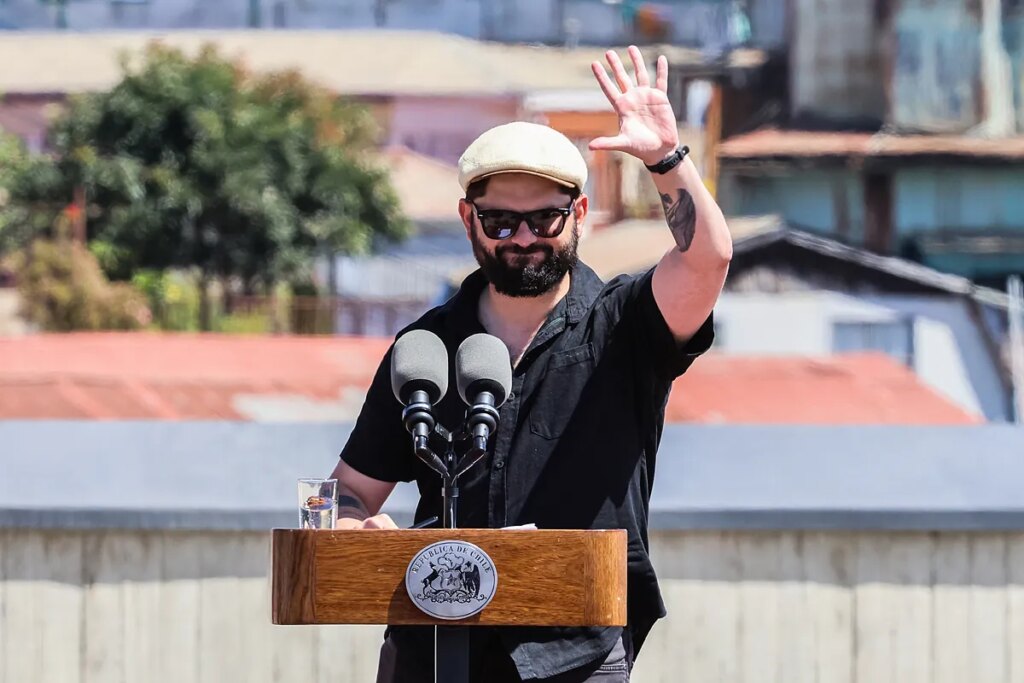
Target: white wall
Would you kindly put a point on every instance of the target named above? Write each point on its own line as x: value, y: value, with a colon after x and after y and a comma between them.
x: 798, y: 323
x: 950, y: 354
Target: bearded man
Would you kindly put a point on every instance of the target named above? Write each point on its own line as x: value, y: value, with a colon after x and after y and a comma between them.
x: 592, y: 366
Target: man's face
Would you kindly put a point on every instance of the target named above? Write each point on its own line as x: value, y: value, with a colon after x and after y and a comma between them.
x: 524, y: 265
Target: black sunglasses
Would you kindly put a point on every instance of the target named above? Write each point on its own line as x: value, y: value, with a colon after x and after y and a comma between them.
x: 500, y: 224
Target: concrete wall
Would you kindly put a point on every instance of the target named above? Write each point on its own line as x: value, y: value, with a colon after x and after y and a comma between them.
x: 841, y: 607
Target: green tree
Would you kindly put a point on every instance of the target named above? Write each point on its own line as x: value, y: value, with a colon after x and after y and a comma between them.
x: 62, y: 289
x: 195, y: 163
x: 27, y: 184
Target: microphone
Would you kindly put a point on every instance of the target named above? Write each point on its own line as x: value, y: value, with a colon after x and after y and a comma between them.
x: 483, y: 372
x: 419, y: 379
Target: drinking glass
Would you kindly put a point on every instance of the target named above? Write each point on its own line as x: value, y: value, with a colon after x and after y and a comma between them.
x: 318, y: 506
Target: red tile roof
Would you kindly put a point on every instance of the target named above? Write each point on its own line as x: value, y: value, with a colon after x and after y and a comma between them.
x: 182, y: 376
x: 771, y: 142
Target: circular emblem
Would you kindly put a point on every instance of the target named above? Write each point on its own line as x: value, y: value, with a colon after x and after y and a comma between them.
x: 451, y: 579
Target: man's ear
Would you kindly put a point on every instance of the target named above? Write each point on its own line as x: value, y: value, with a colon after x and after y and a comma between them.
x: 580, y: 208
x: 466, y: 213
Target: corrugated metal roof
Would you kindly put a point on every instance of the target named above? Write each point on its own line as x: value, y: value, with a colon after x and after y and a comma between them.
x: 843, y: 389
x: 400, y: 62
x: 890, y: 265
x: 242, y: 476
x: 773, y: 143
x: 190, y: 377
x: 185, y: 376
x: 633, y: 246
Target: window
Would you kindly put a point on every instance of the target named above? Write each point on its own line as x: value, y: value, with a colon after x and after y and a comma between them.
x: 893, y: 337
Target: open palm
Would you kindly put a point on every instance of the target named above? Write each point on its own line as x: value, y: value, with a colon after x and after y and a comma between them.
x: 647, y: 124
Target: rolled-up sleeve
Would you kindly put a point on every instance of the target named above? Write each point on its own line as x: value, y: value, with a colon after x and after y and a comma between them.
x: 667, y: 356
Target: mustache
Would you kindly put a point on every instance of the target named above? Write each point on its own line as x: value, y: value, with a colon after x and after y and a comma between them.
x: 523, y: 251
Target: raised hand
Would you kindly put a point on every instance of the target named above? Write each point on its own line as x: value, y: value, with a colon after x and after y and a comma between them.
x: 647, y: 124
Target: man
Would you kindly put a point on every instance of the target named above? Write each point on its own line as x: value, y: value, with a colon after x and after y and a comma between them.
x: 592, y: 367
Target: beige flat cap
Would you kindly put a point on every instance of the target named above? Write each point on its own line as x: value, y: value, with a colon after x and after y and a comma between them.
x: 522, y: 147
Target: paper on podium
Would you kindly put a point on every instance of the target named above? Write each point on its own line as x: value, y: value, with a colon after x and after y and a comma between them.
x: 521, y: 526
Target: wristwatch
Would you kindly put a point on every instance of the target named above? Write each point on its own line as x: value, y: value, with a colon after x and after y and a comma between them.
x: 669, y: 162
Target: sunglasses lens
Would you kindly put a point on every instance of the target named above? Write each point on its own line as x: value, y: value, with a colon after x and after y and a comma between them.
x: 547, y: 223
x: 499, y: 225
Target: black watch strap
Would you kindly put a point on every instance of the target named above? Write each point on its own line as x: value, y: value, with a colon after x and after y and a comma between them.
x: 669, y: 162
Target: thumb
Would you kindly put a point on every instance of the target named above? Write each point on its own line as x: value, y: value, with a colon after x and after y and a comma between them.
x: 618, y: 143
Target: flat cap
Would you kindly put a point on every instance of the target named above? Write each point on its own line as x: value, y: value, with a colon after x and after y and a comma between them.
x: 523, y: 147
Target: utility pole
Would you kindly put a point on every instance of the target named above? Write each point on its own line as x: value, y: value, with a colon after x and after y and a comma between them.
x: 62, y: 14
x: 1015, y: 311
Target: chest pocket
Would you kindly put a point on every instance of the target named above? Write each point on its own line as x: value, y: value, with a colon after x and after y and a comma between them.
x: 560, y: 390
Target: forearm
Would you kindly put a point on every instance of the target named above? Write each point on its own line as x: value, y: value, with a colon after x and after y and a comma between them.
x: 350, y: 505
x: 690, y: 276
x: 702, y: 237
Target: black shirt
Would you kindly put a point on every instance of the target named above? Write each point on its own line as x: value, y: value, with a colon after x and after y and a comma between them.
x: 574, y: 449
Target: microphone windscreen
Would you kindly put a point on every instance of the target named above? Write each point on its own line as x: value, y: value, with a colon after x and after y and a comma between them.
x: 482, y: 363
x: 419, y: 361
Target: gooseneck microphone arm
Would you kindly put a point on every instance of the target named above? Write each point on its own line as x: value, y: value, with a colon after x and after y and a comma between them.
x: 481, y: 421
x: 418, y: 418
x: 419, y: 379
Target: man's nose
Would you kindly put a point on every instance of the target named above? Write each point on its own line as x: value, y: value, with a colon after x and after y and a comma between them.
x: 523, y: 236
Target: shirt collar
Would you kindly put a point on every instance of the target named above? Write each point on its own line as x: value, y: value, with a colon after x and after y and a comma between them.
x: 584, y: 286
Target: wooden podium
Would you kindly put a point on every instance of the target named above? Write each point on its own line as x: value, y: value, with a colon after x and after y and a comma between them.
x: 545, y: 577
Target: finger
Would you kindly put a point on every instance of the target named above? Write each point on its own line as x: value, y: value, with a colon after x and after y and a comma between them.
x: 348, y: 523
x: 661, y: 79
x: 642, y: 79
x: 610, y: 91
x: 617, y: 143
x: 379, y: 522
x: 618, y: 70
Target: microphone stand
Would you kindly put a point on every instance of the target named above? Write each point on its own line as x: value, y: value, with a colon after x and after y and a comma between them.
x: 451, y: 643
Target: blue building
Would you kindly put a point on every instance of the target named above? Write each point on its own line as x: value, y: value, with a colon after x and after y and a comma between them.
x: 902, y: 131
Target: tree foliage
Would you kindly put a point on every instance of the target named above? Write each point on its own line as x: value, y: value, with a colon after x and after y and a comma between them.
x: 62, y: 289
x: 26, y: 185
x: 196, y: 163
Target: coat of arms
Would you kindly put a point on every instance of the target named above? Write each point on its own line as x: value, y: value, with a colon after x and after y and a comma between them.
x: 451, y: 579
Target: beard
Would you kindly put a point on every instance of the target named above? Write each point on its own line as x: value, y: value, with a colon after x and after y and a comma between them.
x: 513, y: 271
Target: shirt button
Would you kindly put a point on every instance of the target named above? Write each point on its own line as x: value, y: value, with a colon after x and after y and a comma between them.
x: 511, y: 395
x: 499, y: 465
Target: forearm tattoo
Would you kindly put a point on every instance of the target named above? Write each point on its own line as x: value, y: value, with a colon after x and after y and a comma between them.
x: 682, y: 218
x: 352, y: 507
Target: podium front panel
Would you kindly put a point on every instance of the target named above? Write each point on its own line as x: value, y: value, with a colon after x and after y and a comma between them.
x: 544, y: 577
